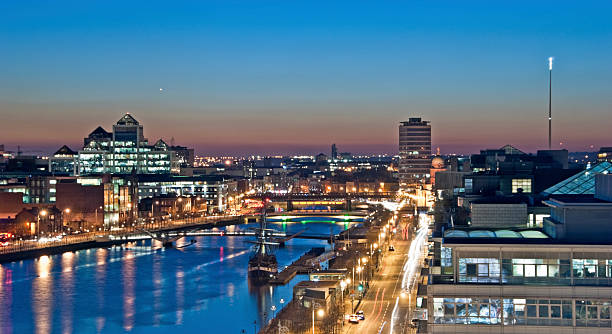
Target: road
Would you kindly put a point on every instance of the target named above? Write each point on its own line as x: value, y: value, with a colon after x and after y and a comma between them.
x: 25, y: 245
x: 386, y: 304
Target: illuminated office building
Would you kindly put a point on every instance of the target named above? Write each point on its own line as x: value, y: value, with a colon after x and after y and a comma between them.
x: 414, y: 151
x: 125, y: 150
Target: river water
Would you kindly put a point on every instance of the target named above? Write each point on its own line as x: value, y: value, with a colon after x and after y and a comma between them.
x: 144, y: 288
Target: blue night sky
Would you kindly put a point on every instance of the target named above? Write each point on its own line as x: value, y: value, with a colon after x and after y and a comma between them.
x: 295, y: 76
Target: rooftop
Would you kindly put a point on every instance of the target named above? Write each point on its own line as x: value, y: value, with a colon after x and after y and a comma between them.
x: 581, y: 183
x: 101, y: 132
x: 495, y: 234
x: 500, y: 200
x: 65, y: 150
x: 515, y: 236
x: 581, y: 199
x: 317, y: 284
x: 127, y: 119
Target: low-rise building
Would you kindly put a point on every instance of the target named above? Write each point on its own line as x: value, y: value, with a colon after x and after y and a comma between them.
x: 212, y: 188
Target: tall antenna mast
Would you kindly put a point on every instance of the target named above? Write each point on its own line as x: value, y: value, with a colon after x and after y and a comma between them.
x: 550, y: 62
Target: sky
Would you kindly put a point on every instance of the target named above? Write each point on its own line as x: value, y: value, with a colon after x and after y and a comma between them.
x: 278, y: 77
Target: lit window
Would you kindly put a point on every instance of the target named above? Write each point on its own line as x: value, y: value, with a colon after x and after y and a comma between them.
x: 523, y: 184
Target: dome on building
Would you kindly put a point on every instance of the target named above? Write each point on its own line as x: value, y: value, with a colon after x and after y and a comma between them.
x: 437, y: 162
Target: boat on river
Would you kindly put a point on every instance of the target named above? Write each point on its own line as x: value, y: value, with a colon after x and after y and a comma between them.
x: 262, y: 264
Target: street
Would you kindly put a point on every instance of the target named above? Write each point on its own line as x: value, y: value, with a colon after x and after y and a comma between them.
x: 386, y: 304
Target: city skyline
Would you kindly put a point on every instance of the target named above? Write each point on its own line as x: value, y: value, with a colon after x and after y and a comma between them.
x: 324, y: 167
x: 293, y: 78
x: 268, y: 149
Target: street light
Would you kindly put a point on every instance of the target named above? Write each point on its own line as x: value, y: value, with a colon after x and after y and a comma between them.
x: 96, y: 211
x: 320, y: 313
x: 67, y: 211
x: 343, y: 285
x: 41, y: 213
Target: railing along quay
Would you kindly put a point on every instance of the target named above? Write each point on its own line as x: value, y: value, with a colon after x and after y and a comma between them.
x: 117, y: 234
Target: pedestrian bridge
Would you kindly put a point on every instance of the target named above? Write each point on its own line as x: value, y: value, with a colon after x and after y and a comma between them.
x: 168, y: 237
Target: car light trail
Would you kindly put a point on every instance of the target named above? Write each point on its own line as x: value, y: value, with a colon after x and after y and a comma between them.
x: 393, y: 315
x: 414, y: 254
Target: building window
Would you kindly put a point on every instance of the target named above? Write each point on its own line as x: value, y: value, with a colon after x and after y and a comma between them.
x: 535, y: 268
x: 446, y: 260
x: 467, y: 311
x: 592, y: 268
x: 593, y: 313
x: 479, y: 270
x: 538, y: 312
x: 523, y: 184
x: 468, y: 185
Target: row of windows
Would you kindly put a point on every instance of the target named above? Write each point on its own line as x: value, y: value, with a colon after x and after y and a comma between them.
x: 415, y: 144
x: 521, y: 311
x: 489, y: 270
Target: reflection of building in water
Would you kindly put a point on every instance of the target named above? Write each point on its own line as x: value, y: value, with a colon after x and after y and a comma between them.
x: 128, y: 276
x: 42, y: 288
x: 6, y: 294
x: 101, y: 255
x: 157, y: 290
x: 180, y: 294
x: 67, y: 282
x: 264, y: 299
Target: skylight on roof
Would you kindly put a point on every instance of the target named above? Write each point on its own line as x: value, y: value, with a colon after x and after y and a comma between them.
x: 507, y: 234
x: 581, y: 183
x: 481, y: 234
x: 455, y: 234
x: 530, y: 234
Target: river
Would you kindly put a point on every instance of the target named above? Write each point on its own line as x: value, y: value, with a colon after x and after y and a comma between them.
x: 145, y: 288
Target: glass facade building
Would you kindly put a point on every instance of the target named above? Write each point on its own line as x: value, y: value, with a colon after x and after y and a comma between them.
x: 518, y: 281
x: 125, y: 151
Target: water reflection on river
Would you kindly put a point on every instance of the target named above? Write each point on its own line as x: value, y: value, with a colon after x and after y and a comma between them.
x: 144, y: 288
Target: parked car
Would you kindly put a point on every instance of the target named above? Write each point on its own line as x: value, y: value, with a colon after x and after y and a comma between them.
x: 354, y: 319
x: 361, y: 315
x: 391, y: 248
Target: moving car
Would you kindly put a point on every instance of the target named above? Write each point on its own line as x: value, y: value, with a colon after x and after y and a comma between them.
x: 5, y: 238
x: 360, y: 315
x: 354, y: 319
x: 391, y: 248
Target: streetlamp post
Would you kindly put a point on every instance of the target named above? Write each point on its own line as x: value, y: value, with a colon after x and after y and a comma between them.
x: 129, y: 215
x: 67, y: 211
x: 40, y: 213
x: 342, y: 287
x: 320, y: 313
x: 96, y: 213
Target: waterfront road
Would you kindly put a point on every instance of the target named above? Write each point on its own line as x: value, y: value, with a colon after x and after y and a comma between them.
x: 386, y: 304
x: 29, y: 245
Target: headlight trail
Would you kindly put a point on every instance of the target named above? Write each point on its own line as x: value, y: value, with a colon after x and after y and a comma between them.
x: 414, y: 254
